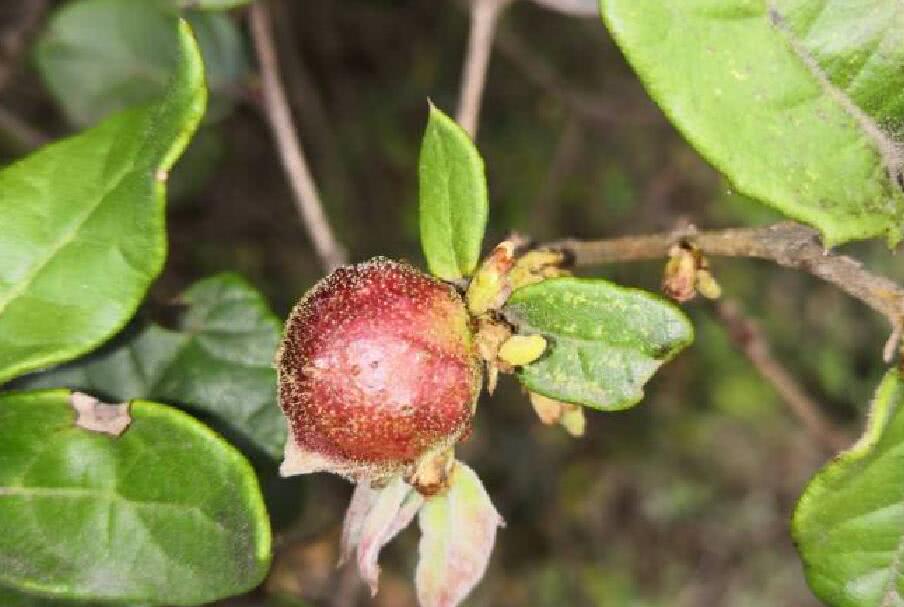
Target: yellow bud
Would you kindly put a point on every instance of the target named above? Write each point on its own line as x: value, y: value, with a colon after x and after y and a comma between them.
x: 536, y: 266
x: 679, y: 278
x: 490, y: 286
x: 707, y: 285
x: 548, y: 410
x: 573, y: 419
x: 522, y: 349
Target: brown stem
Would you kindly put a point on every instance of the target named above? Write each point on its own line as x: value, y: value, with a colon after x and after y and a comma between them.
x: 749, y: 338
x: 788, y: 244
x: 592, y: 107
x: 14, y: 39
x: 484, y: 17
x: 307, y: 199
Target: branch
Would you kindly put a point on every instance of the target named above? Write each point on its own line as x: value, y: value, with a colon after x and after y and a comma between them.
x: 748, y: 337
x: 788, y: 244
x: 484, y: 17
x: 279, y: 117
x: 14, y: 40
x: 592, y: 107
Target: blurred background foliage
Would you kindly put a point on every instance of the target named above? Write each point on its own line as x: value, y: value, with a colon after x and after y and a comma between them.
x: 682, y: 501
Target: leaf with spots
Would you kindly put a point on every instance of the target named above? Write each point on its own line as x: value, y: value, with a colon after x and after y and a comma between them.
x: 453, y: 198
x: 83, y: 225
x: 604, y: 342
x: 849, y: 522
x: 216, y: 361
x: 168, y: 513
x: 800, y: 103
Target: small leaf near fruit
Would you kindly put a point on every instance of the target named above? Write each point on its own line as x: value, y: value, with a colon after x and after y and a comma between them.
x: 374, y: 517
x: 453, y: 198
x: 458, y: 532
x: 604, y: 341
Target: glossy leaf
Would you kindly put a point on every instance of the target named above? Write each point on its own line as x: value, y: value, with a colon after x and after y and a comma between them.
x: 167, y: 513
x: 93, y: 75
x: 849, y: 523
x: 217, y: 360
x: 794, y: 100
x: 13, y: 598
x: 83, y: 226
x: 453, y: 198
x: 604, y: 342
x: 458, y: 532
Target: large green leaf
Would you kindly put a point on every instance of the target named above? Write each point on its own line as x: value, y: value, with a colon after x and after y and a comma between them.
x: 12, y: 598
x: 453, y: 198
x: 218, y: 361
x: 798, y: 102
x: 166, y: 513
x: 849, y: 523
x: 604, y: 341
x: 133, y: 58
x: 83, y: 225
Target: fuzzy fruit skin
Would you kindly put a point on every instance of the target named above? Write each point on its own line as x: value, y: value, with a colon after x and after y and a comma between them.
x: 378, y: 367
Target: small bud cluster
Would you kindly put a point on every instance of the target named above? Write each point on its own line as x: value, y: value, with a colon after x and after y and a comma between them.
x: 687, y: 273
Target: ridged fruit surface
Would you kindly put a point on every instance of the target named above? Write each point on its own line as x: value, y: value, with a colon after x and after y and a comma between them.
x: 378, y: 366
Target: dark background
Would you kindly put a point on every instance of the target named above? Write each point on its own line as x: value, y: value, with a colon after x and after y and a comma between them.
x: 682, y: 501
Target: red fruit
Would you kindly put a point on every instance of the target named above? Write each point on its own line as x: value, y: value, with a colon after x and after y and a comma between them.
x: 378, y: 366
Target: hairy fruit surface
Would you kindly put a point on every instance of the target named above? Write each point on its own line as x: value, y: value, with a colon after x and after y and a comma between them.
x: 378, y: 367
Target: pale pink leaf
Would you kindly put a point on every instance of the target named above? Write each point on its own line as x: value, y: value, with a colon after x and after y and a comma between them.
x: 362, y: 501
x: 458, y: 532
x: 410, y: 507
x: 392, y: 510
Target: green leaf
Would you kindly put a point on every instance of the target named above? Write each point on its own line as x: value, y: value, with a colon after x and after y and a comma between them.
x: 453, y: 198
x: 83, y: 226
x: 166, y: 513
x: 798, y: 102
x: 13, y: 598
x: 92, y: 75
x: 212, y: 5
x: 604, y: 341
x: 849, y: 522
x: 217, y: 361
